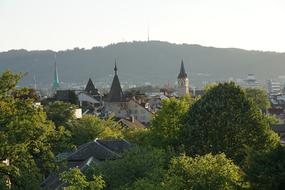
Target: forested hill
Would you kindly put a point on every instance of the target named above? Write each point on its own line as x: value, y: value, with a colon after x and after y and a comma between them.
x: 156, y: 62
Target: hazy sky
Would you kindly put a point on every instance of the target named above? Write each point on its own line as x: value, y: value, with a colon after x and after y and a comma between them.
x: 65, y: 24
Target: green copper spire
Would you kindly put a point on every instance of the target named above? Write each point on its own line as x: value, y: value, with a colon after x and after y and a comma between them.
x: 55, y: 83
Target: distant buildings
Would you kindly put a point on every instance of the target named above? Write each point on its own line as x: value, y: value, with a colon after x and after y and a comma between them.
x: 132, y: 107
x: 123, y: 107
x: 277, y: 99
x: 89, y: 99
x: 274, y: 88
x: 251, y: 82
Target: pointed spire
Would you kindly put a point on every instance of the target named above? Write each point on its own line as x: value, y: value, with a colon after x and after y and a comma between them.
x: 115, y: 68
x: 182, y: 73
x: 90, y: 88
x: 55, y: 84
x: 116, y: 92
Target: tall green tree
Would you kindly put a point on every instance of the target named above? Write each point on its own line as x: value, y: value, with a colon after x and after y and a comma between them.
x: 90, y: 127
x: 224, y: 120
x: 76, y: 180
x: 139, y: 163
x: 168, y: 122
x: 259, y: 96
x: 25, y: 136
x: 203, y: 173
x: 266, y: 170
x: 60, y: 112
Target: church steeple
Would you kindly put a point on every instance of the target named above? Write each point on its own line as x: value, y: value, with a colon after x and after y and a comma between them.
x: 183, y: 83
x: 115, y: 68
x: 55, y: 84
x: 116, y: 92
x: 182, y: 73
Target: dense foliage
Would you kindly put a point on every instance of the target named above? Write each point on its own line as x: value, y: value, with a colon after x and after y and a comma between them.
x: 224, y: 120
x: 25, y: 137
x: 221, y: 141
x: 168, y: 122
x: 76, y: 180
x: 203, y: 173
x: 139, y: 163
x: 60, y: 112
x: 266, y: 170
x: 90, y: 127
x: 259, y: 96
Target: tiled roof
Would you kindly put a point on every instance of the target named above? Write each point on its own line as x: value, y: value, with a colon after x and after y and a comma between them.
x: 97, y: 150
x: 115, y: 145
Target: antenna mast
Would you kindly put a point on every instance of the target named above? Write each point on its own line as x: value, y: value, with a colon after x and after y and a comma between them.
x: 147, y: 33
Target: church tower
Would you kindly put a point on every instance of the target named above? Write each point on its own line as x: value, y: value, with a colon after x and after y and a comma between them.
x: 116, y: 92
x: 55, y: 84
x: 183, y: 82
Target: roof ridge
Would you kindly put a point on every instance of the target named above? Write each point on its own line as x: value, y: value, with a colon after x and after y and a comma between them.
x: 106, y: 148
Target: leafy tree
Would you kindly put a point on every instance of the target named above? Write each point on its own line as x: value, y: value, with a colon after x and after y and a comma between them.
x: 8, y: 82
x: 90, y: 127
x: 209, y: 86
x: 168, y: 122
x: 224, y: 120
x: 142, y: 184
x: 25, y: 136
x: 136, y: 164
x: 76, y: 180
x: 203, y: 173
x: 272, y: 119
x: 259, y: 96
x: 137, y: 136
x: 26, y: 93
x: 266, y: 170
x: 60, y: 112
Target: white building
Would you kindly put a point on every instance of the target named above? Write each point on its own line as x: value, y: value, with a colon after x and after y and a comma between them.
x: 274, y: 88
x: 251, y: 82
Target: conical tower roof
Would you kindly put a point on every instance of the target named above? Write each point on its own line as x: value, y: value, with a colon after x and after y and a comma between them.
x: 182, y: 73
x: 116, y: 93
x: 90, y: 88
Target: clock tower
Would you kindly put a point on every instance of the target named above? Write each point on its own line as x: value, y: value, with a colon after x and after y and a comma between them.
x: 183, y: 82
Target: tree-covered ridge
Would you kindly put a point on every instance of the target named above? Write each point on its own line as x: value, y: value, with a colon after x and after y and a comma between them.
x: 156, y: 61
x: 219, y: 141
